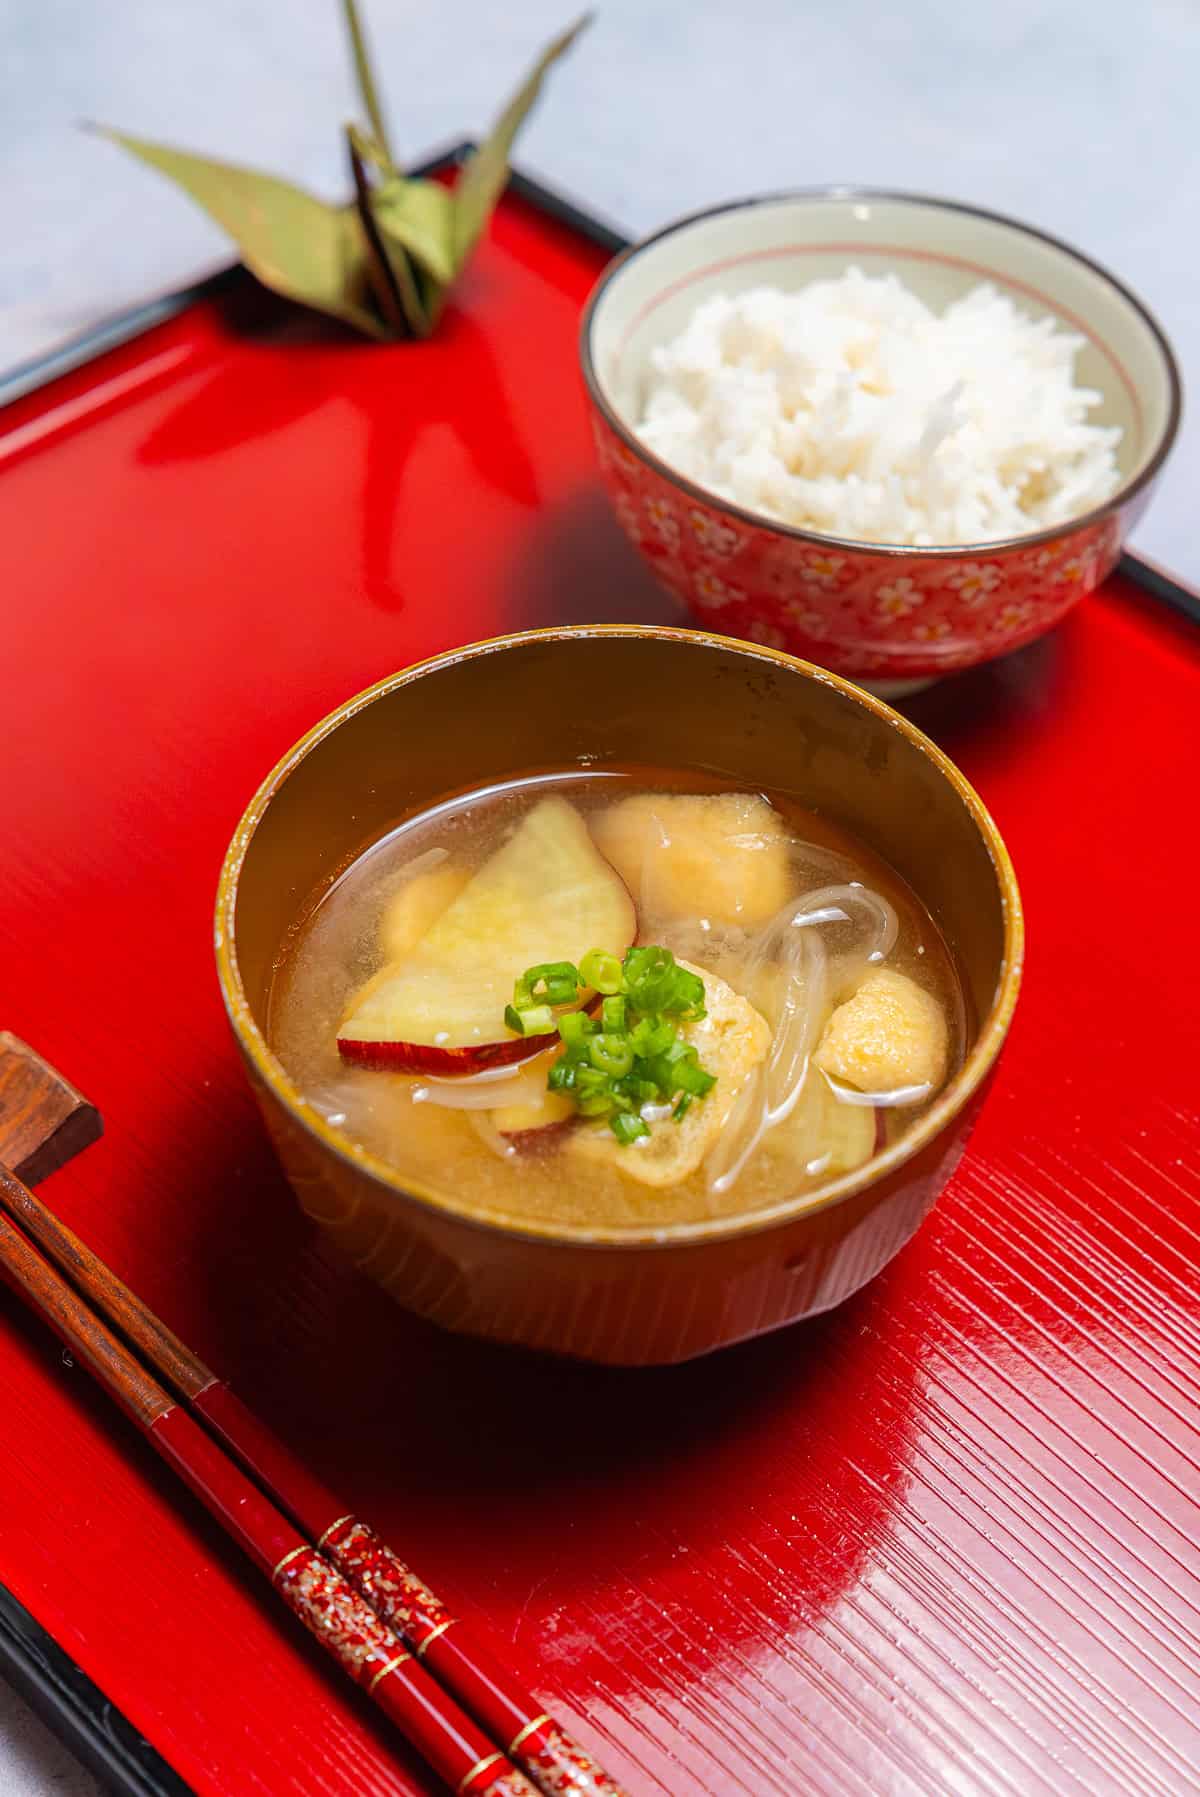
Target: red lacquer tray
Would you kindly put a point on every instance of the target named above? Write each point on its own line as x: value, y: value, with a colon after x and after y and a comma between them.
x: 942, y: 1541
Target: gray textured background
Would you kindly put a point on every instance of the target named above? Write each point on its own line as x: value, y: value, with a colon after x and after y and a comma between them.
x: 1078, y: 115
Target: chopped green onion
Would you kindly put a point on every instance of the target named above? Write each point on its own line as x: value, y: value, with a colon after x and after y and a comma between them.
x: 612, y: 1014
x: 648, y: 978
x: 601, y: 971
x: 591, y: 1079
x: 693, y: 1080
x: 652, y: 1036
x: 538, y: 1020
x: 574, y: 1027
x: 688, y: 994
x: 612, y: 1053
x: 632, y: 1054
x: 552, y: 970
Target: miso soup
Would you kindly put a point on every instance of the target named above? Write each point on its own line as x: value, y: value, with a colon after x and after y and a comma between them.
x: 621, y: 997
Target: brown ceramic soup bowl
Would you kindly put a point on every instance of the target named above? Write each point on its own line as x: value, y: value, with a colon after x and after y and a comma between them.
x: 588, y: 696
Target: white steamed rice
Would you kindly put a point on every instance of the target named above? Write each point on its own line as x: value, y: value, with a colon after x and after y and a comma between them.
x: 850, y: 408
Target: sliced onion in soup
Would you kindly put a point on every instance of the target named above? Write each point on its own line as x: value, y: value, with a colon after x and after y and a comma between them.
x: 794, y: 1002
x: 878, y: 1100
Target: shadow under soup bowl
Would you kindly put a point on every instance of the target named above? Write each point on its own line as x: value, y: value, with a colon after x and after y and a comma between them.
x: 631, y: 1286
x: 741, y: 549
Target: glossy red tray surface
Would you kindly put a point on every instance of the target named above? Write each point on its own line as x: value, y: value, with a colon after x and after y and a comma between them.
x: 941, y: 1541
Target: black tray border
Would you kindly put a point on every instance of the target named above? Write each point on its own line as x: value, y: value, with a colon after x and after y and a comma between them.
x: 30, y: 1658
x: 77, y: 1711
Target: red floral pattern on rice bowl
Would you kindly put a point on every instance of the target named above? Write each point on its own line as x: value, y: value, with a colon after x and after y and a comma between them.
x: 879, y: 615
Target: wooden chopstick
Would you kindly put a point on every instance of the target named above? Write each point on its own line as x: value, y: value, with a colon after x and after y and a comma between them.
x: 448, y: 1647
x: 309, y: 1584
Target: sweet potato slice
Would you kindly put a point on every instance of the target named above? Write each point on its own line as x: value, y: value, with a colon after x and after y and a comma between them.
x: 414, y: 909
x: 546, y: 894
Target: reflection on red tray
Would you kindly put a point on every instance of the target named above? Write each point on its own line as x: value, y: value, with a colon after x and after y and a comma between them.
x: 942, y: 1540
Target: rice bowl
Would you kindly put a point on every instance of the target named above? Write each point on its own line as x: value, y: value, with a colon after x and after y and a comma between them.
x: 881, y: 609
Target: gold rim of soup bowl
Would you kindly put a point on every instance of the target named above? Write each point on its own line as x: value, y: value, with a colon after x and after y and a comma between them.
x: 950, y: 1103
